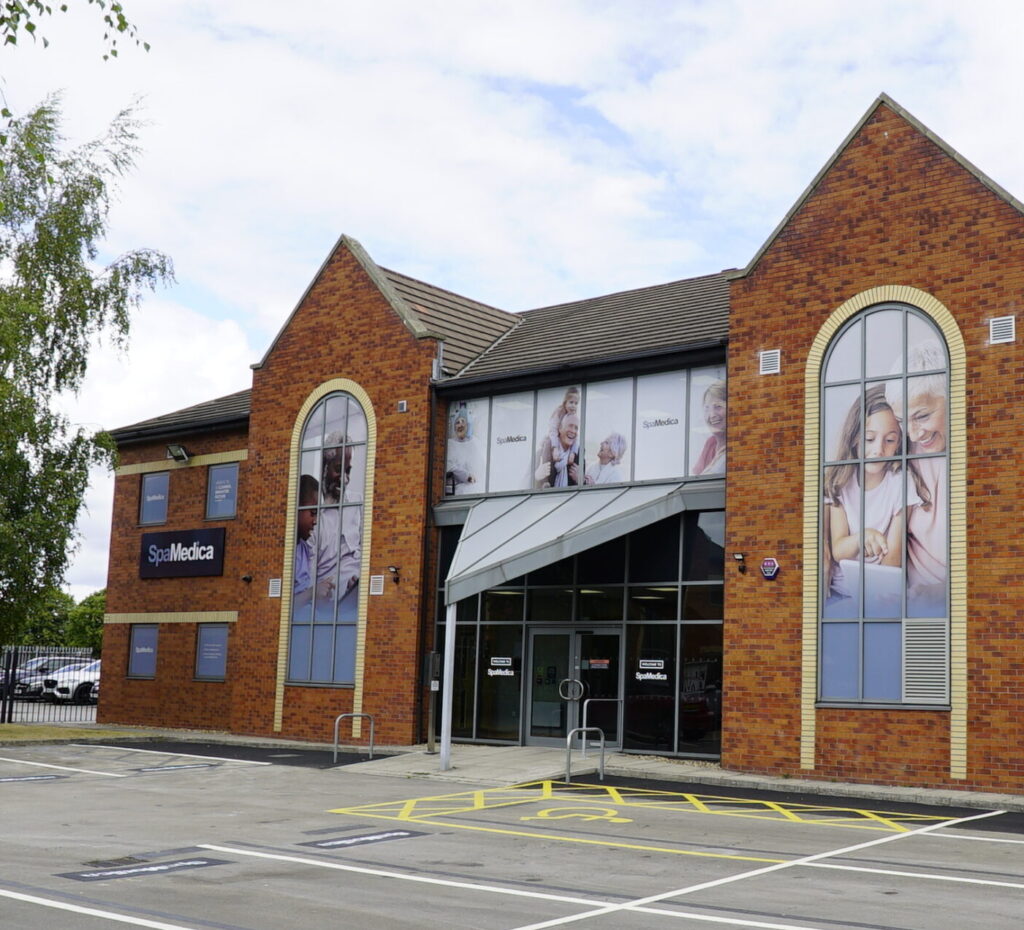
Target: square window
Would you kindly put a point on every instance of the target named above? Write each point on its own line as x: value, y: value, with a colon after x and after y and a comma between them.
x: 222, y: 491
x: 142, y: 651
x: 153, y: 497
x: 211, y: 651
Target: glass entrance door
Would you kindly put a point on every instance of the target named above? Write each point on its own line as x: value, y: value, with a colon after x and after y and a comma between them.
x: 571, y: 673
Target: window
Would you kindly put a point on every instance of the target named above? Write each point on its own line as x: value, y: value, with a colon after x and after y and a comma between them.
x: 211, y: 651
x: 885, y: 511
x: 222, y: 491
x: 328, y: 539
x: 142, y: 651
x: 153, y: 497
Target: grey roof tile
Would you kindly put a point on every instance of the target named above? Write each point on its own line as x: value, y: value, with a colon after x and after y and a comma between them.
x: 467, y: 326
x: 223, y: 411
x: 678, y: 314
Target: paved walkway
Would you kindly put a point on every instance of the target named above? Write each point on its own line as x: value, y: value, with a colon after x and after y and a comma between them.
x: 511, y: 765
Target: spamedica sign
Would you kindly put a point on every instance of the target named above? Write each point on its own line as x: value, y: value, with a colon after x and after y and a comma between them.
x: 182, y: 554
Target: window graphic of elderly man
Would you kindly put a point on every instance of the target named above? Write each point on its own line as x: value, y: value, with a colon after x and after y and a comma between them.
x: 302, y: 574
x: 338, y: 533
x: 558, y: 464
x: 608, y: 468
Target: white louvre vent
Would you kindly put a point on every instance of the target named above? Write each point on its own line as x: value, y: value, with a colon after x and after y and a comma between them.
x: 771, y: 361
x: 926, y: 661
x: 274, y: 588
x: 1002, y: 329
x: 403, y: 406
x: 376, y: 584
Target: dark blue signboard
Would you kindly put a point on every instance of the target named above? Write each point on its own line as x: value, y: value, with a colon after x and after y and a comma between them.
x: 182, y: 554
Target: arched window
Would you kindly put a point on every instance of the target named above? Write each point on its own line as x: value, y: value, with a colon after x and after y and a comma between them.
x: 884, y: 596
x: 328, y: 539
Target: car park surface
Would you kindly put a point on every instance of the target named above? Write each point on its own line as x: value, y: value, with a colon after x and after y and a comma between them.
x: 201, y: 836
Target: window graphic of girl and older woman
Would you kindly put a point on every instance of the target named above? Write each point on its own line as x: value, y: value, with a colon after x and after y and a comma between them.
x: 871, y: 512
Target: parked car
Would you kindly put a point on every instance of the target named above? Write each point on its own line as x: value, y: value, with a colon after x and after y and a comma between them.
x: 28, y: 678
x: 72, y: 684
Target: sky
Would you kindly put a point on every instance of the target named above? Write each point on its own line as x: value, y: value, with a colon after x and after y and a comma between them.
x: 522, y: 154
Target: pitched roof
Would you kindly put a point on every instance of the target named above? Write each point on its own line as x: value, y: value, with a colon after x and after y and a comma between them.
x: 466, y: 326
x: 880, y: 100
x: 232, y: 409
x: 681, y: 314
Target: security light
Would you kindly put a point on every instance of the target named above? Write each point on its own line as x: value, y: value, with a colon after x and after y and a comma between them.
x: 179, y: 453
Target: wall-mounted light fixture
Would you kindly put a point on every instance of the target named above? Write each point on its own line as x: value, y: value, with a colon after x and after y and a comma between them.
x: 247, y: 579
x: 740, y: 564
x: 178, y: 453
x: 394, y: 573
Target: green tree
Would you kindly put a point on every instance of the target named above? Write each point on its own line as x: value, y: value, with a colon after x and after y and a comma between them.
x: 56, y: 299
x: 48, y: 622
x: 85, y: 622
x: 18, y: 16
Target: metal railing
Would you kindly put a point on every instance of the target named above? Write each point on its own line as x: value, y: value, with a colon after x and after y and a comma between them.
x: 586, y: 707
x: 337, y: 723
x: 568, y: 750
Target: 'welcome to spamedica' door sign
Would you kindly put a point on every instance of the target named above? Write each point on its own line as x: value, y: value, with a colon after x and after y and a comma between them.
x: 182, y: 554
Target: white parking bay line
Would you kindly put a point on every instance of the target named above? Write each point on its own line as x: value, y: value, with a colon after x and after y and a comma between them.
x: 926, y: 875
x: 94, y: 912
x: 978, y: 839
x: 63, y: 768
x: 158, y: 752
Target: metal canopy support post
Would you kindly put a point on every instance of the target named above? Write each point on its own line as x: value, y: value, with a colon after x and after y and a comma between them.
x: 448, y: 686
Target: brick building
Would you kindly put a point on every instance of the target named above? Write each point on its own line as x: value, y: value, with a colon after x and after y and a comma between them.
x: 546, y: 494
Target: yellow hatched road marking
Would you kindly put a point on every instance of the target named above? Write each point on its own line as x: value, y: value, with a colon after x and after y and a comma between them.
x: 430, y: 811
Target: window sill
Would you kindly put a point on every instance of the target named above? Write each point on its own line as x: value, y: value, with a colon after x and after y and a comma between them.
x: 878, y: 705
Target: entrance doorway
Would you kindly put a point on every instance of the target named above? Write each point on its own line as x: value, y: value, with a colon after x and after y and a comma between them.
x: 572, y: 671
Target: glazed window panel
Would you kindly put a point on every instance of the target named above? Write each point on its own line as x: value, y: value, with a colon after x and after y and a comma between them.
x: 885, y: 514
x: 607, y: 455
x: 222, y: 491
x: 328, y: 542
x: 142, y: 650
x: 466, y: 463
x: 708, y: 409
x: 153, y: 497
x: 660, y: 434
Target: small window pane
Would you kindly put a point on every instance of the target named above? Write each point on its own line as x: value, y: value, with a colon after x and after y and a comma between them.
x: 703, y: 602
x: 550, y: 605
x: 843, y: 406
x: 660, y: 426
x: 840, y: 661
x: 653, y: 603
x: 708, y: 410
x: 884, y: 338
x: 557, y: 438
x: 466, y: 458
x: 298, y: 660
x: 511, y: 442
x: 604, y: 564
x: 883, y: 661
x: 336, y: 419
x: 703, y: 546
x: 153, y: 504
x: 211, y: 650
x: 609, y: 425
x: 503, y: 606
x: 654, y: 552
x: 356, y: 422
x: 844, y: 359
x: 596, y: 604
x: 314, y: 430
x: 142, y: 651
x: 345, y: 654
x: 222, y: 491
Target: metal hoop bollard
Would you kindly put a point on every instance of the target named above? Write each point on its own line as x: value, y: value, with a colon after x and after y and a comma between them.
x: 337, y: 723
x: 568, y: 750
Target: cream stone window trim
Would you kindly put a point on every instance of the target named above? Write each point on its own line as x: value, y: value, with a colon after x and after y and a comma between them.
x: 196, y: 461
x: 192, y: 616
x: 957, y: 451
x: 284, y: 625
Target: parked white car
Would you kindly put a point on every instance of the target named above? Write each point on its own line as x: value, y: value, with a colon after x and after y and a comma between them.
x: 72, y: 684
x: 28, y: 678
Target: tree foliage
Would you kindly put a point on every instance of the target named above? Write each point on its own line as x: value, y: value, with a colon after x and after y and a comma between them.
x: 56, y: 299
x: 85, y: 622
x: 23, y: 16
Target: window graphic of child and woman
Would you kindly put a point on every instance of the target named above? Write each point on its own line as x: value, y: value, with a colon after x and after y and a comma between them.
x: 875, y: 430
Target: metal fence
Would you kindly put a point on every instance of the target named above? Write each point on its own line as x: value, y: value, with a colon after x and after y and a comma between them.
x: 41, y: 684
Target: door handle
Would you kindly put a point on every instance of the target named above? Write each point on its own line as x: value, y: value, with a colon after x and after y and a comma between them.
x: 570, y: 689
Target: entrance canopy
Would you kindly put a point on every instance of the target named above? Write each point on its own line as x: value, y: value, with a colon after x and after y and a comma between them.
x: 505, y: 537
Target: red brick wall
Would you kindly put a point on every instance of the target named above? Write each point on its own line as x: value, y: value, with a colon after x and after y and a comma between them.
x: 344, y: 328
x: 893, y: 209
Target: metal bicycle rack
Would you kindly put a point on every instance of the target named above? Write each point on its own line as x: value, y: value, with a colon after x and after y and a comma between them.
x: 337, y: 723
x: 568, y: 750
